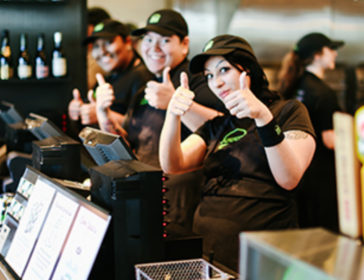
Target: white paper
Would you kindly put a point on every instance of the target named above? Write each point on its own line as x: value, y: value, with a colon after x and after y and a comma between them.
x: 29, y: 226
x: 51, y: 239
x: 82, y: 246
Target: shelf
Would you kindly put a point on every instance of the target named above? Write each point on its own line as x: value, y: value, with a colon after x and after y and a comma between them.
x: 33, y: 1
x: 35, y: 81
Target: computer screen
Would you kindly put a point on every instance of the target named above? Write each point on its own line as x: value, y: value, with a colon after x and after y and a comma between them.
x: 104, y: 146
x: 56, y: 234
x: 42, y: 127
x: 9, y: 114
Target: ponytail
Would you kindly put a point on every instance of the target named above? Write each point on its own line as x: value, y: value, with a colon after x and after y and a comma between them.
x: 291, y: 69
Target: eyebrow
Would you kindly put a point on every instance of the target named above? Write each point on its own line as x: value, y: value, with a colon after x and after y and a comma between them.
x: 217, y: 65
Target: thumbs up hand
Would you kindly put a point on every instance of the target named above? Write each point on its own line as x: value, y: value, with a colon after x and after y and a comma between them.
x: 88, y: 110
x: 243, y: 103
x: 159, y: 94
x: 104, y: 94
x: 75, y: 105
x: 182, y: 99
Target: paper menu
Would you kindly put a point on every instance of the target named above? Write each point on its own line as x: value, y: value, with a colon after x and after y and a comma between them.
x: 82, y: 245
x: 29, y: 226
x: 52, y: 238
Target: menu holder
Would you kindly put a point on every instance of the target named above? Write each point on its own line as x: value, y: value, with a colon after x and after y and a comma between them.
x: 57, y: 235
x: 347, y: 176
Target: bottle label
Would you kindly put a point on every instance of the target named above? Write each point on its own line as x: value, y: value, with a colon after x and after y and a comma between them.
x: 24, y: 71
x: 41, y: 71
x: 59, y: 67
x: 5, y: 72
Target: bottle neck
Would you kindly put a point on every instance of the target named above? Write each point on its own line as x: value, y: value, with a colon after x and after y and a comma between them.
x: 40, y: 45
x: 23, y: 43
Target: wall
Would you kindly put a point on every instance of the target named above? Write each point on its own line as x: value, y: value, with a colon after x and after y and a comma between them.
x: 136, y: 11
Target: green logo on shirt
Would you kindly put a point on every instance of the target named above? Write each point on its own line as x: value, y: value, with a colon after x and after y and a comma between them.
x: 143, y: 101
x: 232, y: 137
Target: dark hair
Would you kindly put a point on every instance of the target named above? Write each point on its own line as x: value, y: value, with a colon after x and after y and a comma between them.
x: 259, y: 82
x: 292, y: 67
x: 96, y: 15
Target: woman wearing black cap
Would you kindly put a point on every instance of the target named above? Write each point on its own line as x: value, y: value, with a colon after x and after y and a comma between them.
x: 252, y: 157
x: 302, y: 77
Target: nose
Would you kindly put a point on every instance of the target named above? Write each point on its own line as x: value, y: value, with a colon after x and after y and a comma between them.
x: 218, y: 82
x: 98, y: 52
x: 155, y: 45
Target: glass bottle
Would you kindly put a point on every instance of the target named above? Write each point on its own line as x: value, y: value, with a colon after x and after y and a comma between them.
x: 40, y: 61
x: 59, y: 62
x: 24, y: 65
x: 6, y: 67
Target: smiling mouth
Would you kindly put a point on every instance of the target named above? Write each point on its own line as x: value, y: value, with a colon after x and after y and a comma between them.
x: 155, y: 57
x: 223, y: 94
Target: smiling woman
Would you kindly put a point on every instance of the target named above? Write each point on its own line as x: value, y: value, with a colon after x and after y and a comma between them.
x: 249, y: 157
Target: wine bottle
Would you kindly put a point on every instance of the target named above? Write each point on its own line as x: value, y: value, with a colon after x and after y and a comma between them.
x: 24, y: 66
x: 6, y: 67
x: 59, y: 62
x: 41, y: 66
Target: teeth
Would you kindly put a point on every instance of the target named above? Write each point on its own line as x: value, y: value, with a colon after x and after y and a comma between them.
x: 155, y: 57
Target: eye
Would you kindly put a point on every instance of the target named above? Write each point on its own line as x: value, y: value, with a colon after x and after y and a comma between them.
x: 147, y: 39
x: 208, y: 76
x: 224, y: 69
x: 165, y: 40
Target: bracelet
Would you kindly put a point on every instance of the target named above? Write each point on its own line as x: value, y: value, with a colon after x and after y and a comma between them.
x: 271, y: 134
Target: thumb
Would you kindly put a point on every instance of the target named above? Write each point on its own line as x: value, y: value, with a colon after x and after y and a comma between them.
x: 184, y: 80
x: 100, y: 79
x: 243, y: 80
x: 76, y: 94
x: 166, y: 77
x: 90, y: 96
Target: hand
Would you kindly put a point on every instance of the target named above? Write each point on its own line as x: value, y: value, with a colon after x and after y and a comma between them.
x: 75, y: 105
x: 104, y: 94
x: 88, y: 110
x: 159, y: 94
x: 182, y: 99
x: 243, y: 102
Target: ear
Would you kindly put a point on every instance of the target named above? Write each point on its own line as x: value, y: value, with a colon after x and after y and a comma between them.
x: 185, y: 45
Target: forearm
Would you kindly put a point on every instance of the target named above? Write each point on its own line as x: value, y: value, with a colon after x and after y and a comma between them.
x: 197, y: 115
x: 289, y: 159
x: 110, y: 121
x: 328, y: 138
x: 170, y: 152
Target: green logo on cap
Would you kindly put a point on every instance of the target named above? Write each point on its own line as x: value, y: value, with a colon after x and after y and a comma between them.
x: 155, y: 18
x: 99, y: 27
x: 208, y: 45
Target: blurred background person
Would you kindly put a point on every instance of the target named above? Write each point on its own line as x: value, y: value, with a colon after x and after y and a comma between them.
x: 112, y: 49
x: 302, y: 77
x: 95, y: 15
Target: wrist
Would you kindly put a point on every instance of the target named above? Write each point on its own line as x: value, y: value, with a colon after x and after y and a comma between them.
x: 270, y: 134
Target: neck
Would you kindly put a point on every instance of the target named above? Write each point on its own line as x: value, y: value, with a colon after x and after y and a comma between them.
x: 315, y: 69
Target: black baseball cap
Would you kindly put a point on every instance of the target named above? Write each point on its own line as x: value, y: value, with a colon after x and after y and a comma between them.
x: 96, y: 15
x: 166, y: 22
x: 221, y: 45
x: 108, y: 29
x: 314, y: 42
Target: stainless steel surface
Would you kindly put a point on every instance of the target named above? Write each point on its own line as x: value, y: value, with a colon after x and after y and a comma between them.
x: 309, y: 251
x: 273, y: 26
